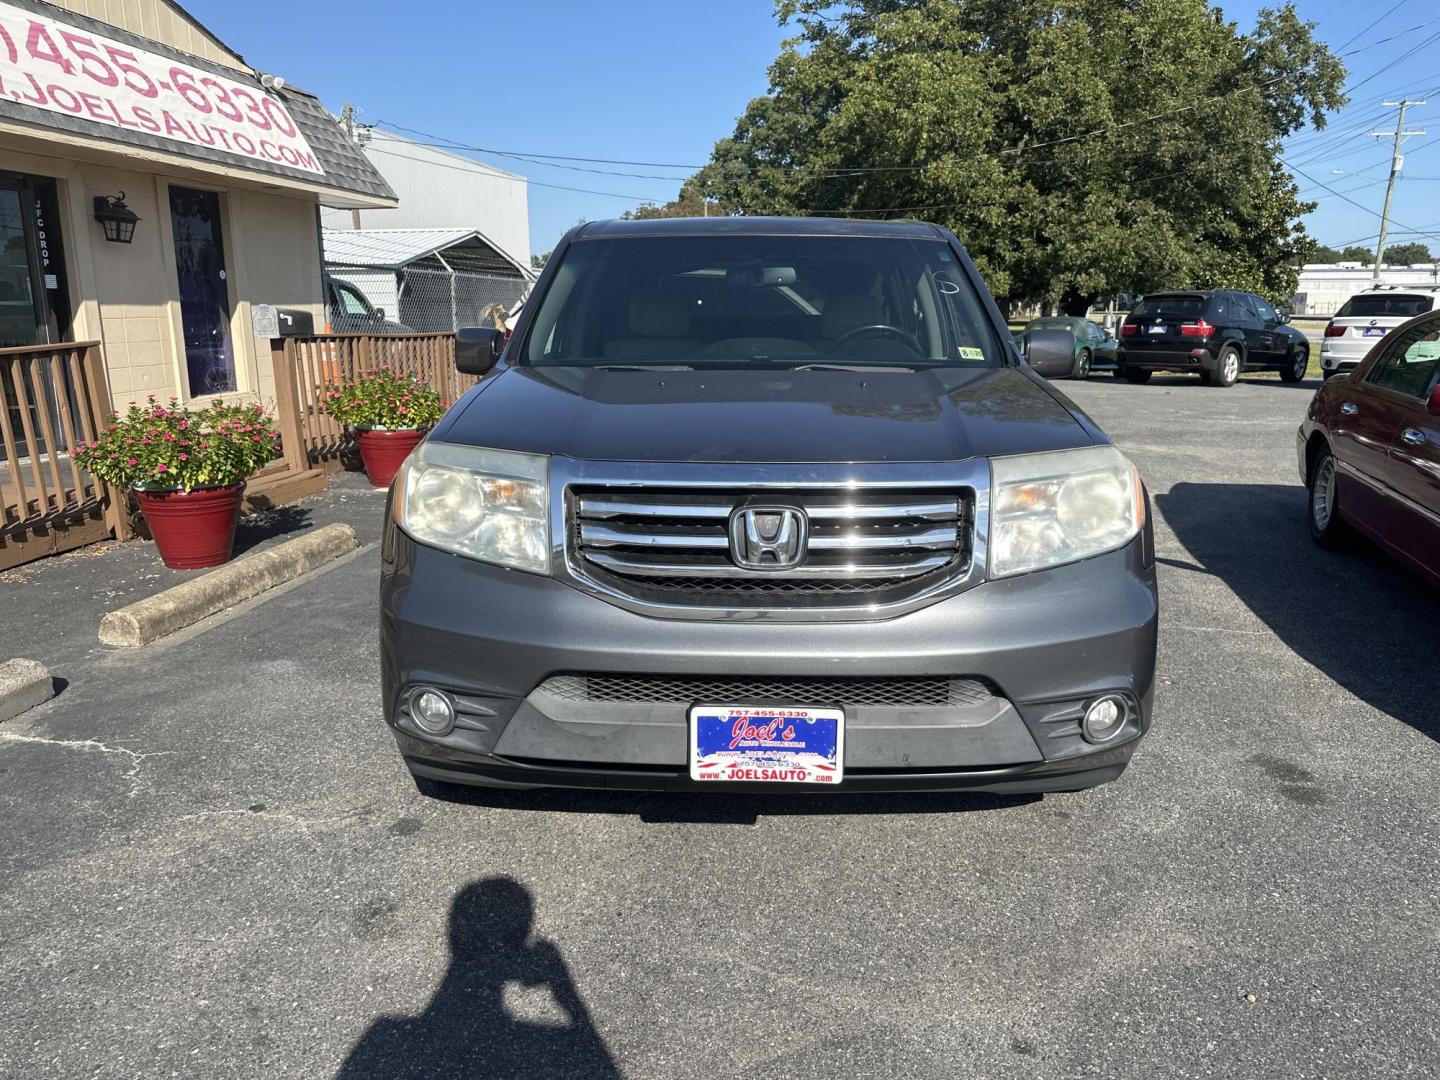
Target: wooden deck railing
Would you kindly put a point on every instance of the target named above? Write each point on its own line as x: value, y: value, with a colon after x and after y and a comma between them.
x: 304, y: 366
x: 51, y: 397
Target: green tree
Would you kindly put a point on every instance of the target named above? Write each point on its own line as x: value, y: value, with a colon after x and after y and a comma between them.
x: 691, y: 202
x: 1407, y: 254
x: 1356, y: 253
x: 1078, y: 148
x: 537, y: 262
x: 1323, y: 253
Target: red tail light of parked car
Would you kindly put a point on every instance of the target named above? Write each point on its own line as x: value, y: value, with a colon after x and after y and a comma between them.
x: 1331, y: 330
x: 1128, y: 330
x: 1196, y: 329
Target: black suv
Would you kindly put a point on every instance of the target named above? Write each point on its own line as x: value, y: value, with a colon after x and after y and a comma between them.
x: 1217, y: 334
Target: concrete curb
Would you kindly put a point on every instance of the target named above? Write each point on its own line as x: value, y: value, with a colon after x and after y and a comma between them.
x: 174, y: 609
x: 23, y: 685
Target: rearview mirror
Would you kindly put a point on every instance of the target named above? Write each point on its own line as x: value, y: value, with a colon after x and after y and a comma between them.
x: 477, y: 349
x: 1050, y: 352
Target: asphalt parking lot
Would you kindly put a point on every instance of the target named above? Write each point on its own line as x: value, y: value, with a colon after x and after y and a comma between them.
x: 213, y: 864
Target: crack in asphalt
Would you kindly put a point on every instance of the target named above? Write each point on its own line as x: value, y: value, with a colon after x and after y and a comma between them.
x: 137, y: 758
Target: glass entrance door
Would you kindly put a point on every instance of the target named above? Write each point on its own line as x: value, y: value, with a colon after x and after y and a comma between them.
x: 204, y: 291
x: 22, y: 320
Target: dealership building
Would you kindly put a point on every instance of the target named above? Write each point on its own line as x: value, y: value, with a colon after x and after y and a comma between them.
x: 157, y: 193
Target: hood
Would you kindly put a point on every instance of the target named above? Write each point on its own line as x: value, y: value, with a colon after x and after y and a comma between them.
x: 773, y: 416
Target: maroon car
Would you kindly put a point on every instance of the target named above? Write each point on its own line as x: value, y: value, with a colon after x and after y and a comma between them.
x: 1370, y: 448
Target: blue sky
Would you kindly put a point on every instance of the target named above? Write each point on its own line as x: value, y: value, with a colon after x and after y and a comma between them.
x: 661, y: 80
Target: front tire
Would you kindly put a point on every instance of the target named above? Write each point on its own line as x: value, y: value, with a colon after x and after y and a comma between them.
x: 1227, y: 368
x: 1294, y: 372
x: 1327, y: 528
x: 1133, y: 375
x: 1082, y: 366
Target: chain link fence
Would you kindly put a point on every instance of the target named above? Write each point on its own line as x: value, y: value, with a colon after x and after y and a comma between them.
x: 426, y: 301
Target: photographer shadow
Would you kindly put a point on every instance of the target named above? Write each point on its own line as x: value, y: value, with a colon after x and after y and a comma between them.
x: 468, y: 1029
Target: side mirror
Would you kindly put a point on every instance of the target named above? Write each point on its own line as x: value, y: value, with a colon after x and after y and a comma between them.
x: 477, y: 349
x: 1051, y: 353
x: 1432, y: 405
x: 1281, y: 318
x: 380, y: 313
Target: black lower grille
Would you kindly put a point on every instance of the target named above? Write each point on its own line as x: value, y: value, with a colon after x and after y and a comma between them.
x: 900, y: 691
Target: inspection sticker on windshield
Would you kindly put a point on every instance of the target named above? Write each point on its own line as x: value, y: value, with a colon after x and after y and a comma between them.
x: 785, y: 746
x: 969, y: 352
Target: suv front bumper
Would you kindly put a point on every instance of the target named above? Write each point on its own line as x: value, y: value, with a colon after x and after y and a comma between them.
x: 1047, y: 643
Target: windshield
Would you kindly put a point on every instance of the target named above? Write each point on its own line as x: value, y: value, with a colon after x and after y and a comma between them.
x: 1385, y: 304
x: 761, y: 301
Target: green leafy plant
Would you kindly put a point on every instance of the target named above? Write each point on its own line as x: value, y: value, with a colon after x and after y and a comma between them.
x: 156, y: 447
x: 384, y: 398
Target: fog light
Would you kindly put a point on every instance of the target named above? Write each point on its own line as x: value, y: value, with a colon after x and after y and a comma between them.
x: 1104, y: 719
x: 432, y: 712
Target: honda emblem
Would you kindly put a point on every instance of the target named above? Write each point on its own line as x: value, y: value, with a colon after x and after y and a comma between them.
x: 768, y: 537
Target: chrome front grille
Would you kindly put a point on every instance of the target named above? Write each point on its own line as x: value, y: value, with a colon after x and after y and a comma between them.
x: 673, y: 546
x: 891, y: 691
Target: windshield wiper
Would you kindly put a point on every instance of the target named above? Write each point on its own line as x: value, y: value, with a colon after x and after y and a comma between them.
x: 855, y: 367
x: 643, y: 367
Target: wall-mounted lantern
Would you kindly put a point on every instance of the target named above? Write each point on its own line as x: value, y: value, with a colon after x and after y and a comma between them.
x: 117, y: 219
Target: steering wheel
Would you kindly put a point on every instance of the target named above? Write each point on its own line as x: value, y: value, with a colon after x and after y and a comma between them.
x: 881, y: 328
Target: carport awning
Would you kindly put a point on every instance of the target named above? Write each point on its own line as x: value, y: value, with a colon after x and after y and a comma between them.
x: 459, y: 249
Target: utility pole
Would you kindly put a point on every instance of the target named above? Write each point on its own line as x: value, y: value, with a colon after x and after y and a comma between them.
x: 1397, y: 162
x: 347, y: 121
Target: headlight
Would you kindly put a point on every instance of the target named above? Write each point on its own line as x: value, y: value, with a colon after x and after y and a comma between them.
x: 492, y: 505
x: 1048, y: 509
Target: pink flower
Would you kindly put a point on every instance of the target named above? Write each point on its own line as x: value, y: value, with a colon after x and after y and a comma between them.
x: 184, y: 424
x: 132, y: 461
x: 184, y: 457
x: 145, y: 441
x: 275, y: 435
x: 162, y: 467
x: 255, y: 438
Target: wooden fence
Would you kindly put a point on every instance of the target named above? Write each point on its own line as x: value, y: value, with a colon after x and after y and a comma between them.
x: 305, y: 366
x: 51, y: 397
x: 57, y: 395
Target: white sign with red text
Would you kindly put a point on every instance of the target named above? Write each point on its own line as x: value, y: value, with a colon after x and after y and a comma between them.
x: 59, y: 68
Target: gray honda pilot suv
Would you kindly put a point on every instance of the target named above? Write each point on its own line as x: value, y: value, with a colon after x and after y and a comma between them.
x: 753, y: 503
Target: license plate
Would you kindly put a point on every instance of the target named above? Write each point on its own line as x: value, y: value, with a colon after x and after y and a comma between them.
x: 1374, y: 331
x: 1157, y: 329
x: 743, y: 743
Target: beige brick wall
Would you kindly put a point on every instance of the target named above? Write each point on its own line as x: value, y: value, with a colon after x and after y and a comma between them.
x: 277, y: 261
x: 132, y: 286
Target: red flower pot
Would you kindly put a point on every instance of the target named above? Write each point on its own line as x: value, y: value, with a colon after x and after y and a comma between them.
x: 192, y: 529
x: 383, y: 452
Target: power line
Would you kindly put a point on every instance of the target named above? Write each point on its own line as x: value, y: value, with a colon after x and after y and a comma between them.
x: 1352, y: 202
x: 1377, y: 22
x: 442, y: 142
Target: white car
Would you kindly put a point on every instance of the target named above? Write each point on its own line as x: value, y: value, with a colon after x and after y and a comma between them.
x: 1366, y: 318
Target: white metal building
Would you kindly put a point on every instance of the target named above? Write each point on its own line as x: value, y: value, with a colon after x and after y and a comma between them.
x: 441, y: 190
x: 1325, y: 286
